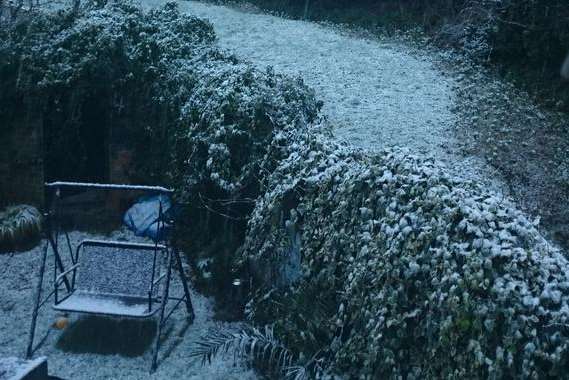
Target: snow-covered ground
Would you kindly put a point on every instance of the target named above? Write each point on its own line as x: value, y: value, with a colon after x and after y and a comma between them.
x: 18, y: 273
x: 376, y: 93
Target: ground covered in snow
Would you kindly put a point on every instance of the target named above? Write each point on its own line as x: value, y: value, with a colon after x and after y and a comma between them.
x: 374, y: 93
x: 379, y: 93
x: 103, y: 348
x: 16, y: 368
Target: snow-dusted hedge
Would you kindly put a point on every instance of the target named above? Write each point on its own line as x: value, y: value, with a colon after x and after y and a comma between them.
x: 118, y: 42
x: 216, y: 115
x: 232, y: 121
x: 197, y: 118
x: 430, y: 277
x: 114, y: 59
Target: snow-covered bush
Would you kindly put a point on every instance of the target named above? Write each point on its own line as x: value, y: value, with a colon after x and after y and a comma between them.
x: 232, y: 123
x: 232, y: 134
x: 472, y: 29
x: 118, y: 42
x: 105, y: 61
x: 20, y: 226
x: 431, y: 277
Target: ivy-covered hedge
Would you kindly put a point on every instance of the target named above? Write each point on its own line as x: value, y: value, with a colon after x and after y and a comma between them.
x: 100, y: 68
x: 404, y: 272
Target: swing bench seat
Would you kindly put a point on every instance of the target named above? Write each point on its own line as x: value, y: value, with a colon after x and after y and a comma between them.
x: 112, y: 278
x: 106, y: 304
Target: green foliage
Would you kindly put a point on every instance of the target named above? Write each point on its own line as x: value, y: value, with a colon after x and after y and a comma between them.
x: 251, y: 344
x: 430, y: 277
x: 20, y: 226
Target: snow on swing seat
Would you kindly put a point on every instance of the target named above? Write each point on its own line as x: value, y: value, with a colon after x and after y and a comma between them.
x: 114, y: 278
x: 112, y: 305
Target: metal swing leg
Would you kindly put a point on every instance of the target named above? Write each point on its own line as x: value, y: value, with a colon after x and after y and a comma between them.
x: 29, y: 350
x: 188, y: 299
x: 59, y: 262
x: 165, y: 295
x: 38, y: 302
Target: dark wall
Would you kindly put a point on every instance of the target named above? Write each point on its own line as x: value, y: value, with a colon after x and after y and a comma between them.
x: 76, y: 136
x: 21, y: 158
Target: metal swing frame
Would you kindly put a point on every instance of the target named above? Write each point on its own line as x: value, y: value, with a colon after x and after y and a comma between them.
x: 66, y: 277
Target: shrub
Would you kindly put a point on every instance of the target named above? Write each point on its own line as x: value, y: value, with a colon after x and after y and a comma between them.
x: 107, y: 60
x: 20, y: 227
x: 430, y: 277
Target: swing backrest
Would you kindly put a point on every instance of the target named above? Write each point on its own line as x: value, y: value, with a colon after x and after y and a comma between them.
x: 118, y: 268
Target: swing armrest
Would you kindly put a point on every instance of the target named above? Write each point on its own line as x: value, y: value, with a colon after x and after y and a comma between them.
x: 59, y: 278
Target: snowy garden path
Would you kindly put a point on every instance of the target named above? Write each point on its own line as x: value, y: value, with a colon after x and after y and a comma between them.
x: 375, y: 94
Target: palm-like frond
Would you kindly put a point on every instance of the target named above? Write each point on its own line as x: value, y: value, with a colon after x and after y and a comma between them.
x: 249, y: 343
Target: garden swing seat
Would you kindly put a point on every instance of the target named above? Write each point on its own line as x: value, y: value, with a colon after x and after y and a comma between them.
x: 112, y: 278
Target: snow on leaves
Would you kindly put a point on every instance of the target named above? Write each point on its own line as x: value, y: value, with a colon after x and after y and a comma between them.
x: 435, y: 277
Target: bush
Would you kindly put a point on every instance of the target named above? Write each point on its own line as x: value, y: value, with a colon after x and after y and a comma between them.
x: 101, y: 67
x: 20, y: 227
x: 428, y: 276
